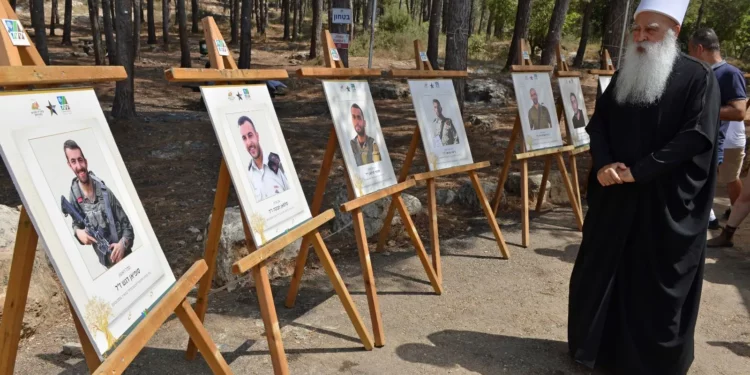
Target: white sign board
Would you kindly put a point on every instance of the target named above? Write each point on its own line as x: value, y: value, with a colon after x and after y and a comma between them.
x: 258, y: 159
x: 15, y: 32
x: 360, y: 136
x: 340, y: 40
x: 341, y: 15
x: 440, y: 123
x: 221, y: 47
x: 536, y: 107
x: 575, y: 110
x: 64, y: 163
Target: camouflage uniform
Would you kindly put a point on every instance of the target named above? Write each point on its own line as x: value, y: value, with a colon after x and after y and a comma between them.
x: 367, y: 153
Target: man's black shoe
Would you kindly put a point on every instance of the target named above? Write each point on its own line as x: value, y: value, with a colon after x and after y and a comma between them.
x: 714, y: 224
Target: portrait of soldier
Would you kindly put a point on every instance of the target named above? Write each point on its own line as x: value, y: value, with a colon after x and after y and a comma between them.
x: 445, y: 131
x: 578, y: 120
x: 539, y: 117
x: 364, y: 148
x: 265, y: 169
x: 95, y: 202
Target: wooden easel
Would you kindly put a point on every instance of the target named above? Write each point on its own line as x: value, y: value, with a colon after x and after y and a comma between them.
x: 21, y: 67
x: 524, y: 156
x: 424, y: 70
x: 226, y: 70
x: 606, y: 68
x: 563, y: 70
x: 334, y: 69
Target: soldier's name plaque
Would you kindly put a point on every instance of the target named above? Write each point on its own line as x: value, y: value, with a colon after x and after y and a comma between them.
x: 69, y: 174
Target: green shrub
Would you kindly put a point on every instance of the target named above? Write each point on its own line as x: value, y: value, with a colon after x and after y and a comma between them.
x: 394, y: 20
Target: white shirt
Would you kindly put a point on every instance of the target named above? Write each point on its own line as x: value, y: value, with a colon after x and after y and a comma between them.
x: 735, y: 134
x: 266, y: 183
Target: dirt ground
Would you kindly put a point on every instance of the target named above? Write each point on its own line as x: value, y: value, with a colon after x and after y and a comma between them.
x: 496, y: 316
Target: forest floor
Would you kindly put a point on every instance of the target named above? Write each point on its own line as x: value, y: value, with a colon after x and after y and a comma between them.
x: 497, y: 316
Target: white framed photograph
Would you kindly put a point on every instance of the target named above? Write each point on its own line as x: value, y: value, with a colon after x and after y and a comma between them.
x: 360, y: 136
x: 64, y: 163
x: 575, y: 110
x: 440, y: 123
x: 258, y: 159
x: 536, y: 107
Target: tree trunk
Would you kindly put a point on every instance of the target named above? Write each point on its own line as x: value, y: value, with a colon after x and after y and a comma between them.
x: 444, y: 16
x: 471, y: 17
x: 265, y: 15
x: 40, y: 28
x: 123, y: 106
x: 295, y: 29
x: 246, y: 38
x: 433, y: 34
x: 66, y: 40
x: 195, y: 12
x: 340, y: 28
x: 585, y: 26
x: 165, y: 23
x: 701, y: 11
x: 490, y: 20
x: 499, y: 28
x: 151, y: 22
x: 553, y: 33
x: 109, y: 31
x: 316, y: 29
x: 95, y: 32
x: 184, y: 41
x: 237, y: 20
x: 54, y: 19
x: 613, y: 28
x: 304, y: 5
x: 137, y: 20
x: 367, y: 16
x: 286, y: 8
x: 257, y: 7
x: 426, y: 10
x: 520, y: 31
x: 457, y: 43
x: 482, y: 17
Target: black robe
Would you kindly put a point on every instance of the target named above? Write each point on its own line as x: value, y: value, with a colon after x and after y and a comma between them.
x: 636, y: 284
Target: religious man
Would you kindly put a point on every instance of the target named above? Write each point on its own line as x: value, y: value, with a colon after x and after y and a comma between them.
x: 101, y: 209
x: 445, y: 132
x: 265, y: 170
x: 636, y: 283
x: 538, y: 114
x: 365, y: 149
x: 578, y: 120
x: 704, y: 45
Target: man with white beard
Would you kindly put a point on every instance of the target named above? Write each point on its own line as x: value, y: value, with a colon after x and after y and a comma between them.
x: 636, y: 283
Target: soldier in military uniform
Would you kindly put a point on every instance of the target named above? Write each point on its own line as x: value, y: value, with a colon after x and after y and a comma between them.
x: 539, y: 117
x: 90, y: 196
x: 365, y: 149
x: 265, y: 170
x: 445, y: 131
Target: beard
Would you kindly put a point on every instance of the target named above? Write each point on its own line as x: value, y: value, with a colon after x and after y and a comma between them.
x: 644, y: 75
x: 360, y: 130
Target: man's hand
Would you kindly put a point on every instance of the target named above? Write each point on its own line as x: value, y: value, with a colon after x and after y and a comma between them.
x: 608, y: 175
x: 84, y: 237
x: 118, y: 250
x: 625, y: 175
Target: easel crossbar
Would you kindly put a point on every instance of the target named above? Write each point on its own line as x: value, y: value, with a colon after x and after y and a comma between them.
x: 409, y: 73
x: 550, y: 151
x: 223, y: 75
x: 338, y: 73
x: 59, y: 75
x: 372, y: 197
x: 449, y: 171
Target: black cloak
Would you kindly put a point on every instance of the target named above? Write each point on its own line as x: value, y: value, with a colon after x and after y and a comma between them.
x: 636, y: 283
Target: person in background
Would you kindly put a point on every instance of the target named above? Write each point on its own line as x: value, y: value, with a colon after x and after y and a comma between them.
x: 704, y: 45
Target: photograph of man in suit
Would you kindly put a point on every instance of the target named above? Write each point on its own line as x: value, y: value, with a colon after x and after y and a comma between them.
x: 578, y: 120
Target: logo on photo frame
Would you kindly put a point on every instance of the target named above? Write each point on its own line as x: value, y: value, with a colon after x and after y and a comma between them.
x: 221, y: 47
x: 36, y: 110
x: 16, y: 33
x: 51, y: 108
x: 246, y: 92
x: 239, y: 95
x: 230, y: 95
x: 64, y: 106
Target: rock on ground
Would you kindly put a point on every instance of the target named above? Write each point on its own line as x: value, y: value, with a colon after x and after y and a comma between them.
x: 389, y: 90
x: 46, y: 298
x: 232, y: 247
x: 468, y: 197
x: 489, y: 90
x: 484, y: 122
x: 373, y: 213
x: 445, y: 196
x: 513, y: 184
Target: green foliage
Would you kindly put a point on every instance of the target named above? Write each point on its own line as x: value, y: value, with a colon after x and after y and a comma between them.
x: 394, y: 20
x: 730, y: 20
x: 394, y: 36
x: 477, y: 46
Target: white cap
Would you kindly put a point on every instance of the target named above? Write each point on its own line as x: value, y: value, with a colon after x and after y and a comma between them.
x: 674, y: 9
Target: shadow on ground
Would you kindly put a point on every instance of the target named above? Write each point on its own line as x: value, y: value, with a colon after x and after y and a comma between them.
x: 485, y: 353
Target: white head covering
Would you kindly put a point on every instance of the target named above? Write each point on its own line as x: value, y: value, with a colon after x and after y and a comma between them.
x: 674, y: 9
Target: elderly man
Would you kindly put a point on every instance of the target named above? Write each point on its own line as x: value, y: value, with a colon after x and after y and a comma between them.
x: 636, y: 283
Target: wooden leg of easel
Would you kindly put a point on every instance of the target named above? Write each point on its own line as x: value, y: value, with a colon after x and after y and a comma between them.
x: 201, y: 338
x: 368, y: 276
x: 17, y: 291
x: 212, y: 246
x: 524, y: 203
x: 543, y: 186
x: 490, y: 217
x: 503, y: 176
x: 569, y: 189
x: 383, y: 236
x: 434, y: 237
x: 418, y: 246
x: 338, y: 285
x: 576, y: 185
x: 92, y: 359
x: 317, y: 203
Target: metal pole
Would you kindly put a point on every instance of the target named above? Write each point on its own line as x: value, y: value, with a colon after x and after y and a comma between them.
x: 624, y: 31
x: 372, y: 32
